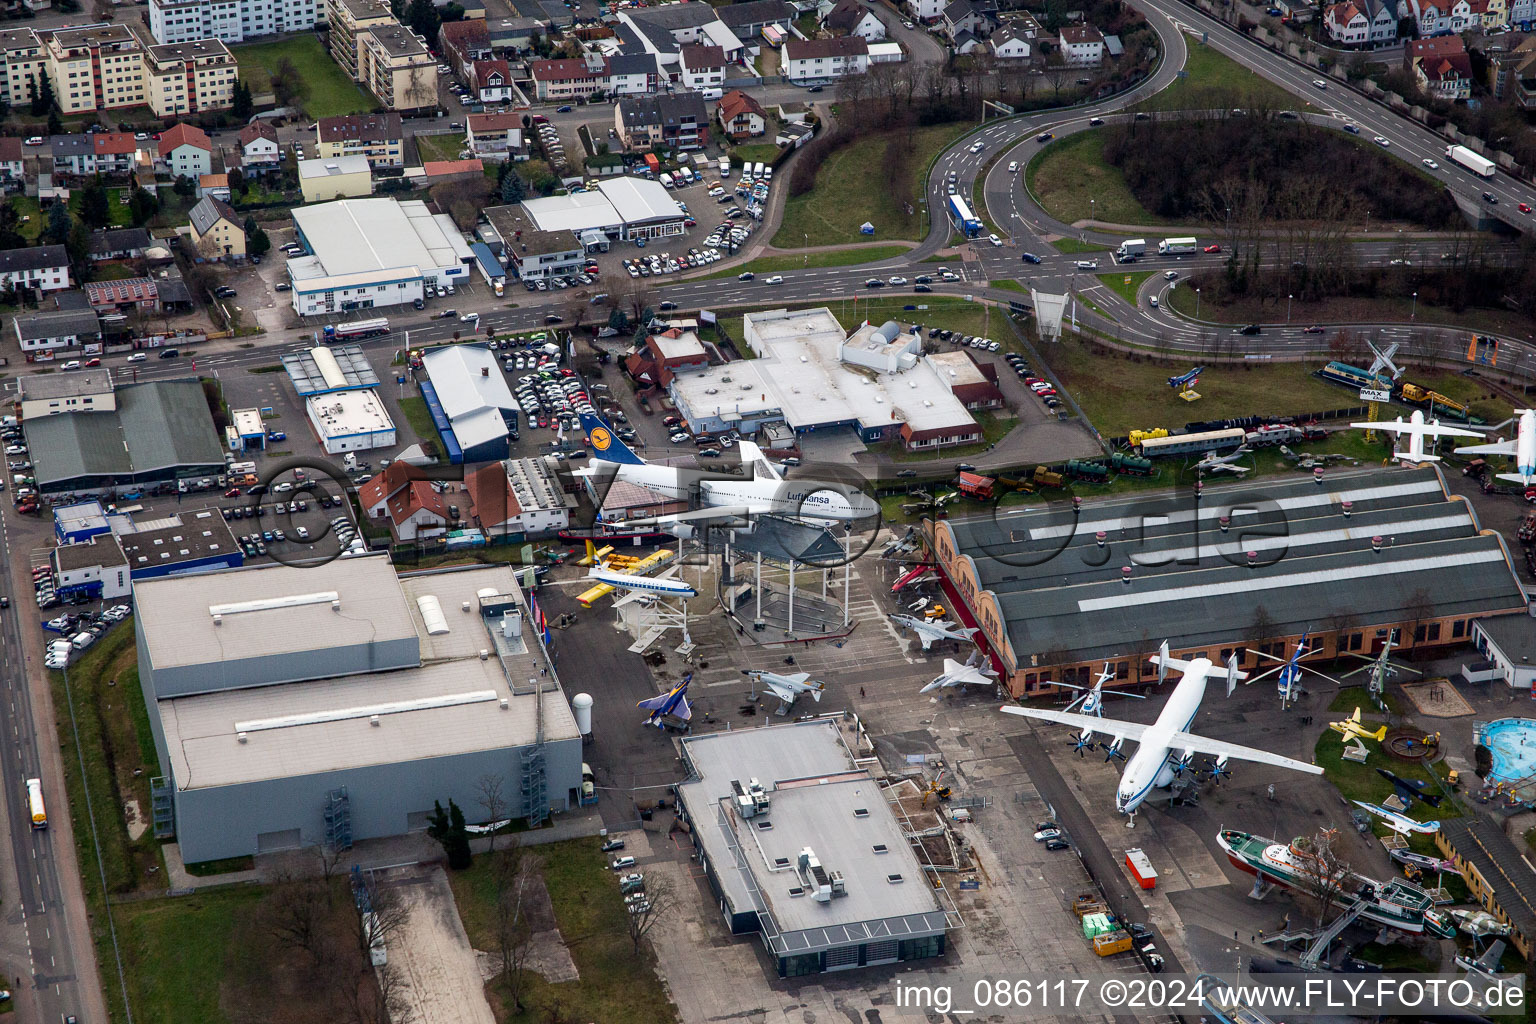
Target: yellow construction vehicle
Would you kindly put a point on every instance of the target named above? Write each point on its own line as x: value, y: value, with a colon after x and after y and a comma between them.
x: 935, y: 789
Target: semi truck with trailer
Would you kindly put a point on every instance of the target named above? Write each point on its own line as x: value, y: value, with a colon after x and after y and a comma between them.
x: 355, y: 330
x: 1478, y: 165
x: 1177, y: 246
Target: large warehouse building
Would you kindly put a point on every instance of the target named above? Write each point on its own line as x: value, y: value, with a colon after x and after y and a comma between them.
x: 328, y: 704
x: 368, y: 253
x: 1365, y: 555
x: 471, y: 405
x: 341, y: 398
x: 799, y: 845
x: 152, y: 433
x: 623, y: 208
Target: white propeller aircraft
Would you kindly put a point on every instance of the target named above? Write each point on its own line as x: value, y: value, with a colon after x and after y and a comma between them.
x: 1522, y: 446
x: 1164, y: 748
x: 722, y: 497
x: 975, y: 672
x: 787, y: 687
x: 1417, y: 429
x: 929, y: 630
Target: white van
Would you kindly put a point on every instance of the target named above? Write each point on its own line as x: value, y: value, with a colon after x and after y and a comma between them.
x: 757, y: 169
x: 711, y: 94
x: 666, y: 180
x: 83, y: 640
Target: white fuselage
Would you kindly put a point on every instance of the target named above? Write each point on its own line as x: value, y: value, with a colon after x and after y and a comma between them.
x: 1149, y: 764
x: 1525, y: 445
x: 644, y: 584
x: 801, y: 499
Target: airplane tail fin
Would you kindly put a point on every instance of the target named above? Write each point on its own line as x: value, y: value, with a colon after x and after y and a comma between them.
x: 606, y: 446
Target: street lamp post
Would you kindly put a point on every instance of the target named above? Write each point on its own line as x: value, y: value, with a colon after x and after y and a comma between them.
x: 1288, y: 308
x: 1197, y: 303
x: 1092, y: 209
x: 1415, y: 311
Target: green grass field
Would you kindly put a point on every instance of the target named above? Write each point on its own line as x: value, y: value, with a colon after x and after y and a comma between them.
x: 753, y: 152
x: 1071, y: 182
x: 828, y: 258
x: 328, y: 92
x: 176, y: 951
x: 851, y: 188
x: 1072, y: 245
x: 617, y: 986
x: 1119, y: 394
x: 439, y: 147
x: 1125, y: 285
x: 1216, y: 82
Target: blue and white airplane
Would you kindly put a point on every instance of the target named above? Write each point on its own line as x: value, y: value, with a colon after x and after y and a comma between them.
x: 1522, y: 446
x: 724, y: 497
x: 1399, y: 822
x: 673, y: 703
x: 1186, y: 380
x: 1092, y: 700
x: 643, y: 584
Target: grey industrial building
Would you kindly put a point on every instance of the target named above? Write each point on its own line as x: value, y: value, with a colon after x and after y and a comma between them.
x: 156, y: 433
x: 1348, y: 561
x: 800, y: 845
x: 330, y: 704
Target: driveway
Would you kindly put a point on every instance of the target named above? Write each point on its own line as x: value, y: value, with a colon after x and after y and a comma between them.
x: 437, y: 965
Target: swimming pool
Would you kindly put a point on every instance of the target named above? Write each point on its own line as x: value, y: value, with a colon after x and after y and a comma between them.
x: 1512, y: 742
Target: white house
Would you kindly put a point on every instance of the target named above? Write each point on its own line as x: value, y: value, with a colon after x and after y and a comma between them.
x: 851, y: 18
x: 258, y: 146
x: 1082, y: 46
x: 1008, y: 43
x: 1363, y: 22
x: 493, y: 81
x: 634, y: 74
x: 703, y: 67
x: 55, y: 329
x: 186, y: 151
x: 44, y: 268
x: 812, y: 60
x: 1508, y: 642
x: 927, y: 11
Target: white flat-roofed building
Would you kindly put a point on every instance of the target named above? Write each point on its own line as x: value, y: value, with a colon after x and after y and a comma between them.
x: 627, y: 208
x: 812, y: 376
x: 339, y: 177
x: 231, y: 21
x: 373, y: 252
x: 799, y: 844
x: 361, y: 699
x: 350, y: 421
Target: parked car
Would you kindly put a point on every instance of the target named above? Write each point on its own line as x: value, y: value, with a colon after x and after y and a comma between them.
x: 612, y: 844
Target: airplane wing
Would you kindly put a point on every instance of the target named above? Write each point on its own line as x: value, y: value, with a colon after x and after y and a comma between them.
x: 1498, y: 448
x: 784, y: 693
x: 1181, y: 741
x: 752, y: 455
x: 1108, y: 726
x: 720, y: 512
x: 657, y: 702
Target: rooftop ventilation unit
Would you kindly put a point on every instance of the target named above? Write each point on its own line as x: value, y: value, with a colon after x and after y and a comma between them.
x: 824, y: 884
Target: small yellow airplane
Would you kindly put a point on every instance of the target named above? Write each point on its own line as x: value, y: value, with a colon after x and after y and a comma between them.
x: 1351, y: 728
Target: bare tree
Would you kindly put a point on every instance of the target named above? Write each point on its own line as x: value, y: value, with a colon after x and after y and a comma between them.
x: 659, y: 899
x: 492, y: 802
x: 295, y: 913
x: 514, y: 934
x: 1324, y: 885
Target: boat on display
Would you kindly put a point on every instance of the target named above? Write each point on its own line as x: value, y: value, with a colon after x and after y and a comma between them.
x: 1396, y: 904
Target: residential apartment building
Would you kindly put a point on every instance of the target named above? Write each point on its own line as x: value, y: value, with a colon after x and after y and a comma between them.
x: 347, y: 19
x: 379, y: 137
x: 492, y: 81
x: 678, y: 120
x: 703, y: 67
x: 1437, y: 17
x: 394, y: 65
x: 637, y: 74
x: 1367, y: 22
x: 12, y: 169
x: 41, y: 267
x: 259, y: 147
x: 811, y: 60
x: 1441, y: 66
x: 99, y: 153
x: 186, y: 151
x: 184, y: 78
x: 569, y: 78
x: 1082, y: 46
x: 25, y: 62
x: 97, y: 68
x: 229, y: 21
x: 926, y: 11
x: 216, y: 229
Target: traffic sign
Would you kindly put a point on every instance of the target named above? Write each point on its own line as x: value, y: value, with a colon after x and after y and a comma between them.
x: 1372, y: 395
x: 1127, y: 278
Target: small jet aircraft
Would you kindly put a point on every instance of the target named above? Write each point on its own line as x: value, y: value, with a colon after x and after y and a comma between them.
x: 1351, y: 728
x: 1092, y: 700
x: 1186, y: 380
x: 674, y: 703
x: 1409, y: 790
x: 1165, y: 749
x: 1213, y: 463
x: 1417, y: 429
x: 1423, y: 863
x: 1399, y: 822
x: 976, y: 671
x: 1522, y: 446
x: 929, y: 630
x: 1487, y: 965
x: 787, y: 687
x: 1479, y: 922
